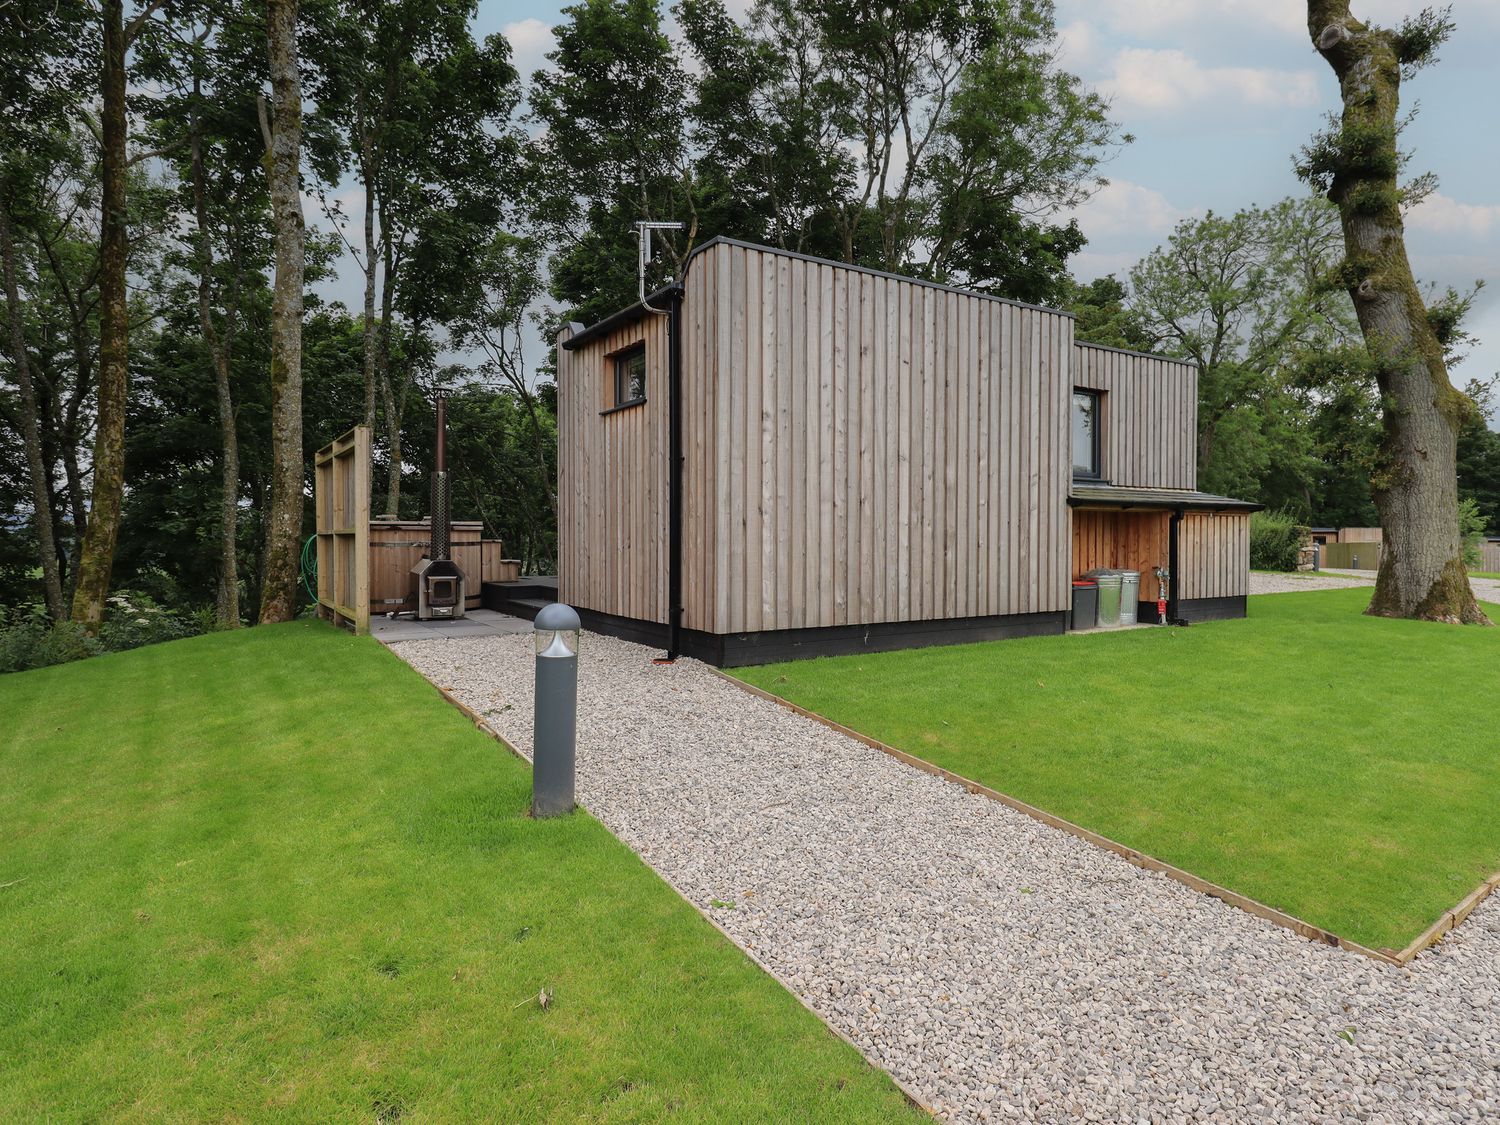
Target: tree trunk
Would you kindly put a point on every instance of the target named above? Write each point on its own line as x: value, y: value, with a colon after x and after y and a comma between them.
x: 97, y: 558
x: 31, y: 433
x: 227, y: 603
x: 278, y: 598
x: 371, y: 264
x: 394, y: 404
x: 1415, y: 484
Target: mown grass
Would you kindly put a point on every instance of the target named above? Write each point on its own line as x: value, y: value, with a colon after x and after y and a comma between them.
x: 1340, y: 767
x: 271, y: 874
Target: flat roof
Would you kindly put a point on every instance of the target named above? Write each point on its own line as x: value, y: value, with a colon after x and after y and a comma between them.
x: 633, y: 312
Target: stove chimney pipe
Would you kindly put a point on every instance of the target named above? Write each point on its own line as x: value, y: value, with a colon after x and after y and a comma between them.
x: 442, y: 435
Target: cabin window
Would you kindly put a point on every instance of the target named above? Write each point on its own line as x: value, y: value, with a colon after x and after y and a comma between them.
x: 1086, y: 419
x: 630, y: 376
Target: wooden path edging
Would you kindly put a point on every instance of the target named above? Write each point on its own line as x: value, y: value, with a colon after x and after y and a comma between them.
x: 1431, y: 936
x: 906, y: 1091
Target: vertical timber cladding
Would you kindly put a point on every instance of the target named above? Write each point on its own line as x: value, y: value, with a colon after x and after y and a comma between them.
x: 1214, y: 551
x: 865, y: 449
x: 612, y: 478
x: 1122, y: 540
x: 1150, y: 437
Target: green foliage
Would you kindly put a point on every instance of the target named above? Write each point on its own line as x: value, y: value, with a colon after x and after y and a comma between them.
x: 1105, y: 316
x: 31, y: 639
x: 1355, y: 791
x: 787, y: 131
x: 1276, y: 539
x: 1242, y: 297
x: 1418, y: 37
x: 1472, y: 525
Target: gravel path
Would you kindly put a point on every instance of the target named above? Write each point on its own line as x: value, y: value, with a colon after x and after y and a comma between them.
x: 1003, y: 969
x: 1263, y: 583
x: 1485, y: 589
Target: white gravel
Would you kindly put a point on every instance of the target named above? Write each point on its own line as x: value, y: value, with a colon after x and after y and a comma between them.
x: 1002, y: 969
x: 1485, y: 589
x: 1262, y: 583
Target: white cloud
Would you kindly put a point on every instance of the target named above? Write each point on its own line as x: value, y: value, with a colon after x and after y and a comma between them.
x: 530, y: 41
x: 1438, y: 214
x: 1283, y: 17
x: 1078, y: 45
x: 1124, y: 208
x: 1143, y: 79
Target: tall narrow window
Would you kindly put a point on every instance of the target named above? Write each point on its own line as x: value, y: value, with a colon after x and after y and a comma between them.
x: 630, y: 376
x: 1086, y: 435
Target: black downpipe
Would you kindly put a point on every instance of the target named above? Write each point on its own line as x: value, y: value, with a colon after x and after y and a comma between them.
x: 674, y: 474
x: 1174, y: 563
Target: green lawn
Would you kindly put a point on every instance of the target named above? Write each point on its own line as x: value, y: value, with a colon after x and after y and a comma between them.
x: 272, y: 874
x: 1340, y: 767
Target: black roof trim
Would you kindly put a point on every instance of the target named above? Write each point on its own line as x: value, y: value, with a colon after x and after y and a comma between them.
x: 618, y: 319
x: 1130, y: 351
x: 1110, y: 496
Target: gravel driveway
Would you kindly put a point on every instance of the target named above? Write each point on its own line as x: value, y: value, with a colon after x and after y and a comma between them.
x: 1485, y: 589
x: 1003, y: 969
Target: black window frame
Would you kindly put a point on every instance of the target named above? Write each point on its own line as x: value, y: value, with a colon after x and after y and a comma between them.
x: 620, y: 377
x: 1096, y: 432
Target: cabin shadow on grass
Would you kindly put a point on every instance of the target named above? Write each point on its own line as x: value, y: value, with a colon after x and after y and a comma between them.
x: 271, y: 873
x: 1337, y: 767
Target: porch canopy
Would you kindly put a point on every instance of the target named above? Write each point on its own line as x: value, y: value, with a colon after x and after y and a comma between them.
x: 1086, y: 495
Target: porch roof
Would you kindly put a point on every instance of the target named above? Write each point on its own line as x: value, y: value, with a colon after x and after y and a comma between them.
x: 1087, y: 495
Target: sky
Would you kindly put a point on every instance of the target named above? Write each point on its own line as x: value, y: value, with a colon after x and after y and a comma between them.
x: 1220, y: 95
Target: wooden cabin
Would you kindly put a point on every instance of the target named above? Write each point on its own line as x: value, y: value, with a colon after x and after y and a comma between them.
x: 866, y: 461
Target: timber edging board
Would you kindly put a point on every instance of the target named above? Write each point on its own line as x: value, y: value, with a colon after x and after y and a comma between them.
x: 1434, y: 933
x: 483, y: 726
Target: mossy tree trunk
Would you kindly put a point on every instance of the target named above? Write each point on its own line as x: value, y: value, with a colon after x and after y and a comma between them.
x: 278, y: 600
x: 1415, y: 485
x: 97, y: 556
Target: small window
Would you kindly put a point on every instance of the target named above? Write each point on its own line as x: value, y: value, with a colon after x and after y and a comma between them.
x: 1086, y: 462
x: 630, y: 376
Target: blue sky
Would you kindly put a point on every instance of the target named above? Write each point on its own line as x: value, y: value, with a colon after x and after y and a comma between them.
x: 1220, y: 94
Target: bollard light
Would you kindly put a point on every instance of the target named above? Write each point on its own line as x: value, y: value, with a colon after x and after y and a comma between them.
x: 1317, y: 557
x: 555, y: 721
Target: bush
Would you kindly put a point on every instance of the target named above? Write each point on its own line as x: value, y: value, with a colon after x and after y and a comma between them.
x: 31, y: 639
x: 1276, y: 540
x: 1472, y: 527
x: 134, y: 619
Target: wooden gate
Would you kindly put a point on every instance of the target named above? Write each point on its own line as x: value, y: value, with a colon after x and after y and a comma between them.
x: 341, y: 493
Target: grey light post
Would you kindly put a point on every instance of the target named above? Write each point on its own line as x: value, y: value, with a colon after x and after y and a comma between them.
x: 555, y: 723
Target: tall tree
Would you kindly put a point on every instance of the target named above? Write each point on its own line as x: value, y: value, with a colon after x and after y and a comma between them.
x: 421, y: 115
x: 34, y: 101
x: 1357, y: 163
x: 1241, y: 297
x: 283, y: 135
x: 98, y: 553
x: 37, y: 468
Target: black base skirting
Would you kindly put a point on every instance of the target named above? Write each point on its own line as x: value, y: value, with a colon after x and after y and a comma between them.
x: 737, y: 650
x: 1212, y: 609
